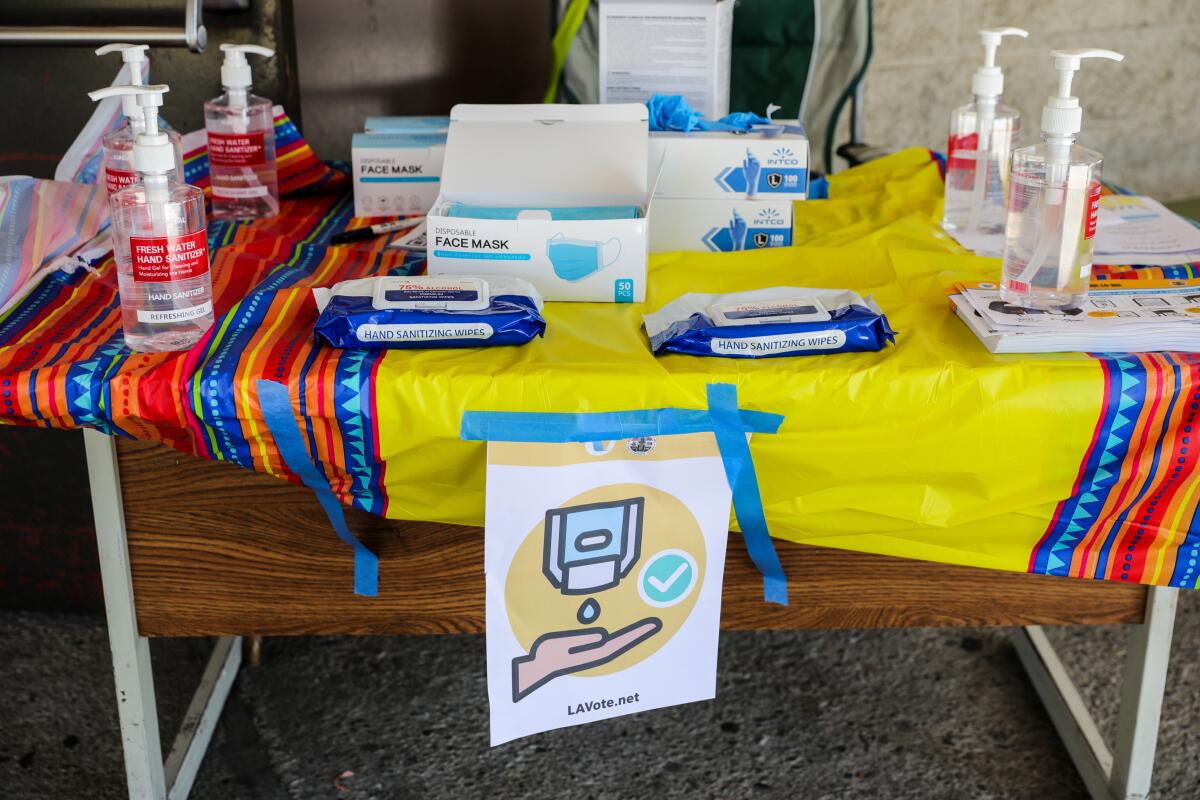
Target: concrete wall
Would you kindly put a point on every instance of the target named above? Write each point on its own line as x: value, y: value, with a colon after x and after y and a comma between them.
x: 361, y: 57
x: 1141, y: 114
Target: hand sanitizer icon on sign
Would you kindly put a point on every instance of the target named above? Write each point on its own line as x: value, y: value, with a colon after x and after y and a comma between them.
x: 590, y: 548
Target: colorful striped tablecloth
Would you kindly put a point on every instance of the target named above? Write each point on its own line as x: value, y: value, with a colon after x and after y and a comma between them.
x: 1065, y: 464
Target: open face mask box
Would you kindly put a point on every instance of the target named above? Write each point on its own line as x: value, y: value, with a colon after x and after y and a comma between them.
x: 554, y: 194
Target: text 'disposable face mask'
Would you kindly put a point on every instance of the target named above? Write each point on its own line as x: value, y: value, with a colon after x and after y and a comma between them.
x: 575, y: 259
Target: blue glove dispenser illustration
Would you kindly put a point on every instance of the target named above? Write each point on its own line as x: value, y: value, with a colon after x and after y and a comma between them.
x: 575, y: 259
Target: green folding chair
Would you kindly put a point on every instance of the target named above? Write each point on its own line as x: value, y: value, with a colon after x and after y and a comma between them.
x: 806, y: 56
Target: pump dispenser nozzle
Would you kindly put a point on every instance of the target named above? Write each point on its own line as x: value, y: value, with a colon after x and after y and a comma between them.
x: 134, y: 55
x: 1062, y: 115
x: 988, y: 81
x: 152, y: 150
x: 235, y: 71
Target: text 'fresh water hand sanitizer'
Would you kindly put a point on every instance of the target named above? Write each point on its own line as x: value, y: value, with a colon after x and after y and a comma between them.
x: 241, y: 142
x: 118, y: 144
x: 983, y: 134
x: 160, y: 242
x: 1052, y: 204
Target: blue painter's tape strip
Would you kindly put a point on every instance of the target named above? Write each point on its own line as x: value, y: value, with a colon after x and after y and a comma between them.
x: 747, y: 502
x: 729, y: 423
x: 281, y: 421
x: 520, y: 426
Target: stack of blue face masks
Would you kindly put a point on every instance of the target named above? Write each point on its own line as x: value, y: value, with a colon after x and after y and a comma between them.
x: 768, y: 323
x: 429, y: 312
x: 556, y: 214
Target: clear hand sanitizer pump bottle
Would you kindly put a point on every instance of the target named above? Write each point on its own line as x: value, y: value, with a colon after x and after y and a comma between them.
x: 159, y: 241
x: 241, y: 142
x: 118, y: 144
x: 983, y: 134
x: 1052, y: 205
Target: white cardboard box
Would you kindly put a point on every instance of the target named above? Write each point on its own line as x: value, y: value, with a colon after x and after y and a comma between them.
x: 396, y: 173
x: 545, y: 157
x: 721, y: 226
x: 666, y: 47
x: 714, y: 164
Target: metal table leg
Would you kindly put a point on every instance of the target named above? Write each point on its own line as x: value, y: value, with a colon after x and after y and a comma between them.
x: 147, y: 777
x: 1126, y: 774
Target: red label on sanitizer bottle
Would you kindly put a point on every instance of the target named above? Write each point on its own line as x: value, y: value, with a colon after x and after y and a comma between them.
x: 236, y: 149
x: 1093, y: 211
x: 160, y: 259
x: 957, y: 144
x: 117, y: 179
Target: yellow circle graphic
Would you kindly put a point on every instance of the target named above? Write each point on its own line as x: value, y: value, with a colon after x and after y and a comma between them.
x: 537, y: 608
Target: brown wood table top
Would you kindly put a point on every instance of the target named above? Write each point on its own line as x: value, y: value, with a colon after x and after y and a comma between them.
x: 218, y: 550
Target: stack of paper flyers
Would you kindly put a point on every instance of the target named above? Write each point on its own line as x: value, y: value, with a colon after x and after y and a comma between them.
x: 1119, y: 316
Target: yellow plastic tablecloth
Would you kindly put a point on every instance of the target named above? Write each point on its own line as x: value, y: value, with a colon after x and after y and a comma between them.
x: 932, y: 449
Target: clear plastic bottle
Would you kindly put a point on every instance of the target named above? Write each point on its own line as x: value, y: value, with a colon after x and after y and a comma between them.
x: 117, y: 145
x: 1055, y: 191
x: 241, y: 143
x: 978, y: 156
x: 983, y: 134
x: 1053, y: 202
x: 160, y: 242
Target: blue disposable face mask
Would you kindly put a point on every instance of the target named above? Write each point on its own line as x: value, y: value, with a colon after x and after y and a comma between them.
x: 575, y: 259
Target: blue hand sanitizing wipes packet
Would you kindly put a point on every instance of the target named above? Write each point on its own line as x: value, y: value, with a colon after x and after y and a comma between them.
x: 427, y: 312
x: 766, y: 323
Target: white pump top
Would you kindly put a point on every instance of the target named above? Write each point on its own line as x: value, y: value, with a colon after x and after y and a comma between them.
x: 235, y: 71
x: 1062, y: 115
x: 134, y: 55
x: 988, y: 81
x: 153, y: 153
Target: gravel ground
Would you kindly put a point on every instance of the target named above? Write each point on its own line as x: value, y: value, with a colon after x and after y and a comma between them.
x: 923, y: 714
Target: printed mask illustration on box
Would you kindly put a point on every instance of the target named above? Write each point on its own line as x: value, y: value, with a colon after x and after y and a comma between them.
x: 575, y: 259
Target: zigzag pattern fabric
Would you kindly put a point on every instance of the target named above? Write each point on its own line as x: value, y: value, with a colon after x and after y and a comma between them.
x: 1071, y: 464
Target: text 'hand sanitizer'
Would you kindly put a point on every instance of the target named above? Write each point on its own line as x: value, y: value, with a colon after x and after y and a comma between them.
x: 983, y: 134
x: 1053, y: 202
x: 160, y: 242
x: 118, y: 144
x: 241, y: 142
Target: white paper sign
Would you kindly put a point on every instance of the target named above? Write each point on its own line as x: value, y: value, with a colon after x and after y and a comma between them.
x: 1142, y: 231
x: 604, y: 565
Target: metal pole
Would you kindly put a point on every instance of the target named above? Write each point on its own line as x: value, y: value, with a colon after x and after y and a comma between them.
x: 136, y: 707
x: 192, y: 35
x: 1145, y: 681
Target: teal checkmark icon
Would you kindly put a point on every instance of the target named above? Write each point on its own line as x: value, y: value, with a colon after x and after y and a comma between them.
x: 667, y: 578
